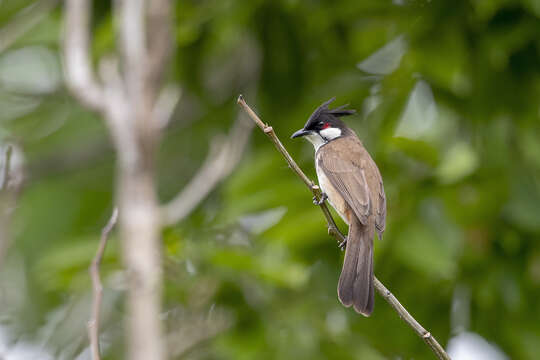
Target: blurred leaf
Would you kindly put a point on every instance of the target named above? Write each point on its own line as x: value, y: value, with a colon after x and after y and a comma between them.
x: 271, y: 266
x: 422, y: 250
x: 458, y: 162
x: 524, y: 206
x: 416, y: 149
x: 260, y: 222
x: 386, y: 59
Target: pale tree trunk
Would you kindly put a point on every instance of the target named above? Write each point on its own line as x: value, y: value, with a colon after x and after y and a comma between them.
x: 139, y: 229
x: 126, y: 96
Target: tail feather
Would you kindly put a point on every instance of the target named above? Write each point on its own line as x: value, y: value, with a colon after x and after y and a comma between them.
x: 355, y: 286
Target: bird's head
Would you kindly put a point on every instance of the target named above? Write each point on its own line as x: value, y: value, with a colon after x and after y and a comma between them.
x: 324, y: 124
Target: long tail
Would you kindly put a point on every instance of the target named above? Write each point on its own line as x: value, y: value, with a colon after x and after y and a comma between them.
x: 355, y: 285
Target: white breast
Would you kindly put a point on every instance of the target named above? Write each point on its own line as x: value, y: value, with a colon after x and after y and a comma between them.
x: 334, y: 198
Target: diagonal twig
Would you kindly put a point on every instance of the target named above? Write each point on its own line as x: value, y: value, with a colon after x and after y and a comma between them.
x: 97, y: 287
x: 269, y: 131
x: 334, y: 231
x: 223, y: 156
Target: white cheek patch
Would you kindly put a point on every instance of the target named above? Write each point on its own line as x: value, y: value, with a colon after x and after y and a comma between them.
x: 316, y: 140
x: 330, y: 133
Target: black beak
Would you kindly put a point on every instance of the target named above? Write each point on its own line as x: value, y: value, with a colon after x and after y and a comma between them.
x: 300, y: 133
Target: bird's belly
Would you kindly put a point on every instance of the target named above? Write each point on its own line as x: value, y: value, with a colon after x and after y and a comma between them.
x: 335, y: 199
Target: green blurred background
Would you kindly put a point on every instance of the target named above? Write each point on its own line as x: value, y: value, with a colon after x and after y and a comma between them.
x: 447, y: 94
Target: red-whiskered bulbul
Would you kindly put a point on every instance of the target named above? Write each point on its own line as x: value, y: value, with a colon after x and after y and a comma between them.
x: 352, y: 183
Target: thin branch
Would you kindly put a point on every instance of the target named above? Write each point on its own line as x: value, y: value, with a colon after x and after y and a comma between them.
x: 410, y: 320
x: 221, y: 160
x: 269, y: 131
x: 25, y: 20
x: 117, y: 111
x: 159, y: 43
x: 79, y: 73
x: 132, y: 44
x: 93, y: 323
x: 165, y: 105
x: 333, y: 230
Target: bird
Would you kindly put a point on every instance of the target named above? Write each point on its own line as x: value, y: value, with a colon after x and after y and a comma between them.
x: 352, y: 183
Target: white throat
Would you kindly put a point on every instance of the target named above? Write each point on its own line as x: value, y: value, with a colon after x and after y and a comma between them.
x: 316, y: 140
x: 330, y: 133
x: 324, y: 136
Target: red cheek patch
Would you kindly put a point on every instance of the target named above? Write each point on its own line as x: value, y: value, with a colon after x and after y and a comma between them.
x: 326, y: 126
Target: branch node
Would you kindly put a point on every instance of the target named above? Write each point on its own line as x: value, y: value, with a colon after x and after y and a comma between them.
x: 268, y: 129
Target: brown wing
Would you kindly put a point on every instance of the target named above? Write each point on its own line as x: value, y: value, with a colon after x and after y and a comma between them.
x: 378, y: 197
x: 345, y: 168
x: 380, y: 220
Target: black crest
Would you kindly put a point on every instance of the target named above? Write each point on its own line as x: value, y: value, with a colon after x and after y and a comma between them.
x: 323, y: 113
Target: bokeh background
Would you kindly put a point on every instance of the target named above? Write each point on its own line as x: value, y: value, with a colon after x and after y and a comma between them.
x: 447, y: 94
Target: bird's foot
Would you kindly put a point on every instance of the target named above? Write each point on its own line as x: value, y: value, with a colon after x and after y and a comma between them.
x: 321, y: 200
x: 342, y: 245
